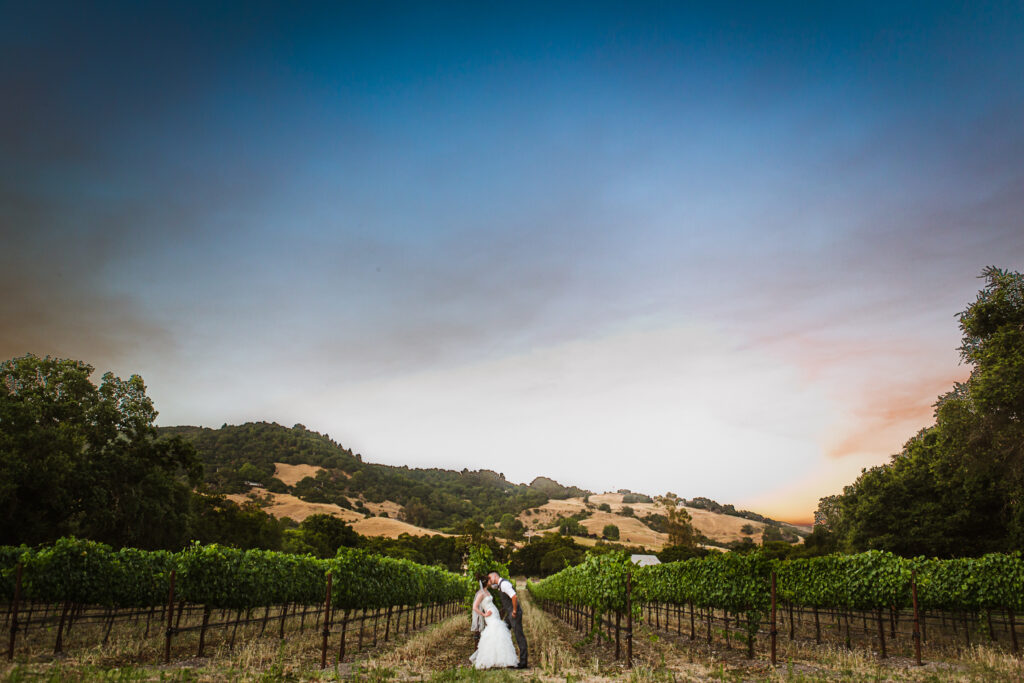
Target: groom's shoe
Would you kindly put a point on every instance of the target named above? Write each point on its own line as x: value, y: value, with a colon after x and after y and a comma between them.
x: 522, y: 665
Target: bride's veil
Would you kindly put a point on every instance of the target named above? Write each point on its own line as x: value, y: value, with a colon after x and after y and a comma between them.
x: 477, y: 624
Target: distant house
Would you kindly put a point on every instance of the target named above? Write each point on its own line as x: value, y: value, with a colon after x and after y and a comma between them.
x: 644, y: 560
x: 252, y: 483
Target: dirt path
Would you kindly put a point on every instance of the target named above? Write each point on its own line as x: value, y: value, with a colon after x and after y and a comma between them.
x: 448, y: 645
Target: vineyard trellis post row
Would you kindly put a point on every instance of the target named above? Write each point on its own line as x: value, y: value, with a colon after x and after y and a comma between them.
x: 773, y: 631
x: 14, y: 611
x: 629, y: 618
x: 917, y: 618
x: 327, y: 622
x: 170, y: 619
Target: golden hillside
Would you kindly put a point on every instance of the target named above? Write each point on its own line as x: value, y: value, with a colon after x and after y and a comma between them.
x: 632, y: 531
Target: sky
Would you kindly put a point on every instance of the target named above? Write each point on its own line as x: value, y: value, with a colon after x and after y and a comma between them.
x: 716, y: 249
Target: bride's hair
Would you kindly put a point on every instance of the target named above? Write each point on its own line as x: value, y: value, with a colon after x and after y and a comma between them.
x: 481, y: 579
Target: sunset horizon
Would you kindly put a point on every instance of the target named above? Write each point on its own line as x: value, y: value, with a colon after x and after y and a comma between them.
x: 718, y: 251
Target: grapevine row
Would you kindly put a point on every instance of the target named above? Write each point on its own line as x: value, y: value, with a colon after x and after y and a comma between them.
x: 742, y: 585
x: 85, y: 572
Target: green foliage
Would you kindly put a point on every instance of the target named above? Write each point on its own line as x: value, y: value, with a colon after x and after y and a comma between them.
x: 678, y: 553
x: 630, y: 497
x: 76, y: 458
x: 444, y: 551
x: 546, y: 555
x: 740, y: 583
x: 511, y: 527
x: 678, y: 524
x: 957, y: 487
x: 598, y: 582
x: 362, y: 580
x: 569, y: 526
x: 550, y: 488
x: 432, y: 498
x: 878, y: 579
x: 215, y: 519
x: 481, y: 560
x: 611, y: 532
x: 87, y: 572
x: 325, y: 534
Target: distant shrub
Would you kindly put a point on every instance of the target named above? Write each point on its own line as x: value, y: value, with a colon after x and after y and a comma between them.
x: 636, y: 498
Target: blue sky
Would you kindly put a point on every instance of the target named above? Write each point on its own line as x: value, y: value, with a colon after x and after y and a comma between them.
x: 712, y: 249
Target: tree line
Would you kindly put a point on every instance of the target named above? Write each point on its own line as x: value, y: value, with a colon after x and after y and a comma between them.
x: 957, y: 486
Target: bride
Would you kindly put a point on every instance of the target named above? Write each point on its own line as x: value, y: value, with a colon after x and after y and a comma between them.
x: 495, y: 648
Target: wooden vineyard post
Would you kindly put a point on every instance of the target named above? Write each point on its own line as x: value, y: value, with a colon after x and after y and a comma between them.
x: 1013, y: 631
x: 14, y: 612
x: 202, y: 629
x: 917, y: 619
x: 773, y: 632
x: 327, y: 623
x: 881, y: 636
x: 629, y: 619
x: 344, y: 628
x: 169, y: 633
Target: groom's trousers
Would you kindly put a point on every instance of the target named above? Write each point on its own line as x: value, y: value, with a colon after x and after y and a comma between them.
x: 515, y: 624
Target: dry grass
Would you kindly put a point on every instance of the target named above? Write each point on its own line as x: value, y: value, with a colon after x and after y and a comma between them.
x: 293, y: 474
x: 287, y: 505
x: 440, y: 653
x: 391, y: 508
x: 391, y: 528
x: 719, y: 527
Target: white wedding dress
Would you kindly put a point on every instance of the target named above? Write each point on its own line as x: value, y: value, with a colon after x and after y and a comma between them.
x: 495, y: 649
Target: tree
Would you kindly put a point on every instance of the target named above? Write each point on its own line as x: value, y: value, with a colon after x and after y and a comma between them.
x: 326, y: 533
x: 215, y: 519
x: 571, y: 527
x: 679, y: 525
x: 76, y: 458
x: 604, y: 507
x: 415, y: 512
x: 747, y: 529
x: 829, y: 513
x: 676, y: 553
x: 957, y: 487
x: 556, y: 560
x: 511, y: 527
x: 546, y: 555
x: 611, y: 532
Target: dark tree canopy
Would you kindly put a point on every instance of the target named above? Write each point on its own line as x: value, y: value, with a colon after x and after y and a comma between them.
x: 957, y: 487
x: 76, y: 458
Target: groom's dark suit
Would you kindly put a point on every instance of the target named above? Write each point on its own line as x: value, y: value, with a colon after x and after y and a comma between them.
x: 515, y: 624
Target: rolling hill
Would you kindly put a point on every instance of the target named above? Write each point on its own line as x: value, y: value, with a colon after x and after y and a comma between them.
x: 294, y: 472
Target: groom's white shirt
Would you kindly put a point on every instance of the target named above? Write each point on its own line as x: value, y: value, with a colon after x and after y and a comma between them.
x: 505, y: 586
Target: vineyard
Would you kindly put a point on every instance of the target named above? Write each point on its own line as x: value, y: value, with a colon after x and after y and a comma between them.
x: 211, y: 591
x: 872, y: 599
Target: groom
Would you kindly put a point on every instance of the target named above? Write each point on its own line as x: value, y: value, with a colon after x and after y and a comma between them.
x: 512, y: 612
